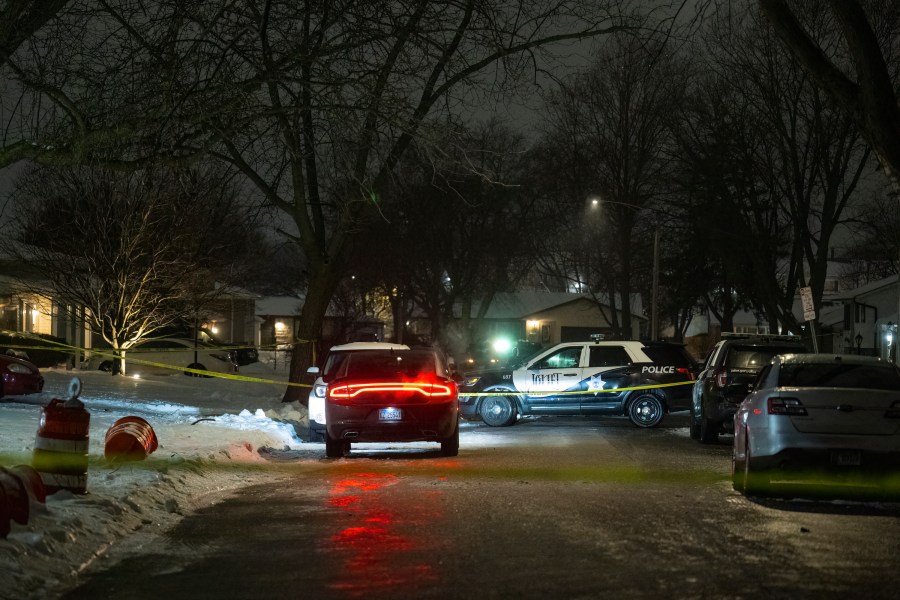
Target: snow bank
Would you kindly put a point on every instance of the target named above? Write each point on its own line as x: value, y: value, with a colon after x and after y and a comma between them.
x: 212, y: 434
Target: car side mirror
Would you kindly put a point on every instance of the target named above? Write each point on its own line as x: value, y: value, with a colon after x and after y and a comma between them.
x: 313, y: 370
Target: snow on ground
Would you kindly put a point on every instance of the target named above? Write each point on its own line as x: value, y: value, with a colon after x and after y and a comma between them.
x: 212, y: 436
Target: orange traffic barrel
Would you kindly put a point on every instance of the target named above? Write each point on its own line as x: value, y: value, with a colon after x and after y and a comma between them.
x: 61, y: 446
x: 32, y: 481
x: 129, y: 439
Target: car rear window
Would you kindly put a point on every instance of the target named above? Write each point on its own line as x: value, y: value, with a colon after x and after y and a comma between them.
x: 333, y: 363
x: 755, y: 357
x: 872, y: 377
x: 386, y: 365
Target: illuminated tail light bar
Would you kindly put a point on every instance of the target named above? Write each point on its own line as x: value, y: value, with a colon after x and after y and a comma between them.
x: 430, y: 390
x: 786, y: 406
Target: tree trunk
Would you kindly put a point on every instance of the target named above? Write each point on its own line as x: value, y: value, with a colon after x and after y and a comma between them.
x: 322, y: 285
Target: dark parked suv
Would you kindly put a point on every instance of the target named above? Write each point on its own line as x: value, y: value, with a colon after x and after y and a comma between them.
x: 730, y: 367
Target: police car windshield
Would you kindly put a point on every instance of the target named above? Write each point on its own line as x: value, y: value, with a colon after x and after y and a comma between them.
x: 517, y: 361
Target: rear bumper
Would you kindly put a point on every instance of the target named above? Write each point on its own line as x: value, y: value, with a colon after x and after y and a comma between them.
x: 784, y: 448
x: 421, y: 422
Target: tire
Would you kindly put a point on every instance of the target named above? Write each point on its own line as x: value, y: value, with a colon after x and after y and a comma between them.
x: 316, y: 435
x: 695, y: 426
x: 498, y: 411
x: 334, y: 448
x: 709, y: 431
x: 756, y: 480
x: 646, y: 410
x: 737, y: 469
x: 199, y: 367
x: 450, y: 445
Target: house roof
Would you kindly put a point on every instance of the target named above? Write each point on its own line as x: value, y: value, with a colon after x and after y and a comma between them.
x: 520, y: 305
x: 864, y: 290
x: 278, y: 305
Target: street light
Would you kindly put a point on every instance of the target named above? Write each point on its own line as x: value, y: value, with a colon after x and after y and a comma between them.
x: 654, y: 293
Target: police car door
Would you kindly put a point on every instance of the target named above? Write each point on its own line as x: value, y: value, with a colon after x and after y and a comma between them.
x: 608, y: 367
x: 557, y: 371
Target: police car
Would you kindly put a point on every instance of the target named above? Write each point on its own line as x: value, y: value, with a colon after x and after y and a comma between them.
x: 641, y: 380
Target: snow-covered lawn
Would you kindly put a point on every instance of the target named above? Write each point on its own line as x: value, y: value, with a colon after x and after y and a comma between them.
x: 213, y: 435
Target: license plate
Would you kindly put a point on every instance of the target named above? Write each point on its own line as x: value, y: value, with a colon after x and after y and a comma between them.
x: 389, y: 414
x: 846, y: 458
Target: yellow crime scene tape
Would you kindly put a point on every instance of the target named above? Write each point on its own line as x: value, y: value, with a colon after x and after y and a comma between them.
x: 235, y: 377
x: 108, y: 354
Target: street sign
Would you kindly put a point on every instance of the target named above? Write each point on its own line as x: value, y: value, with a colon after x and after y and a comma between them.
x: 809, y: 309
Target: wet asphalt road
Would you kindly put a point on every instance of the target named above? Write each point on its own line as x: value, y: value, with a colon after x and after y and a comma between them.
x: 549, y: 508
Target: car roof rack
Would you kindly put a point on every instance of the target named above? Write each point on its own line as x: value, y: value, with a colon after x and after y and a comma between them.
x: 762, y: 337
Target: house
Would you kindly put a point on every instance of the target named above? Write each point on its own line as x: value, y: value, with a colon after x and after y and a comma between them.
x: 864, y: 319
x: 277, y: 318
x: 548, y: 318
x: 229, y: 317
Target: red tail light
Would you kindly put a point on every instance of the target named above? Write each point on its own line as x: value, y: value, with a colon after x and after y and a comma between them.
x: 685, y: 371
x: 428, y: 389
x: 721, y: 378
x: 786, y: 406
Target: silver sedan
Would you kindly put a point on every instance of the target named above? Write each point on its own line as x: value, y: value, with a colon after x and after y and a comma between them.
x: 826, y: 418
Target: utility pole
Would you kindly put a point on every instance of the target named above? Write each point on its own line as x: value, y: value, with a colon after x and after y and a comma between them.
x: 654, y: 298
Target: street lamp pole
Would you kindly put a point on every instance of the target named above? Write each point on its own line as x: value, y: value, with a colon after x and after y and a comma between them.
x: 654, y: 294
x: 654, y: 297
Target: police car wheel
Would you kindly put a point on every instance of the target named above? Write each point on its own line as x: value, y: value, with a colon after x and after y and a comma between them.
x: 498, y: 411
x: 646, y: 410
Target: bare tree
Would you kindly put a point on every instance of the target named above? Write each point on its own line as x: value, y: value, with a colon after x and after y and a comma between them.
x: 20, y: 19
x: 865, y: 84
x: 455, y: 231
x: 612, y: 124
x: 807, y: 157
x: 314, y: 102
x: 138, y: 251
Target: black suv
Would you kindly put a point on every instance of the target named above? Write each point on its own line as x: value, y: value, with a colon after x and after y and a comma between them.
x: 730, y: 367
x: 642, y: 380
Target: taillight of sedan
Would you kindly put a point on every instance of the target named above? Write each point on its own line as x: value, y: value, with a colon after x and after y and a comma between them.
x: 361, y: 392
x: 721, y: 378
x: 785, y: 406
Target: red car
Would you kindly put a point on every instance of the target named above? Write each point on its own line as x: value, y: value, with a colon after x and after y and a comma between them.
x: 18, y: 377
x: 392, y: 396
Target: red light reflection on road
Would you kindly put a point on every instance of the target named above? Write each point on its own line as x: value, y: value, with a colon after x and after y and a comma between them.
x: 375, y: 548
